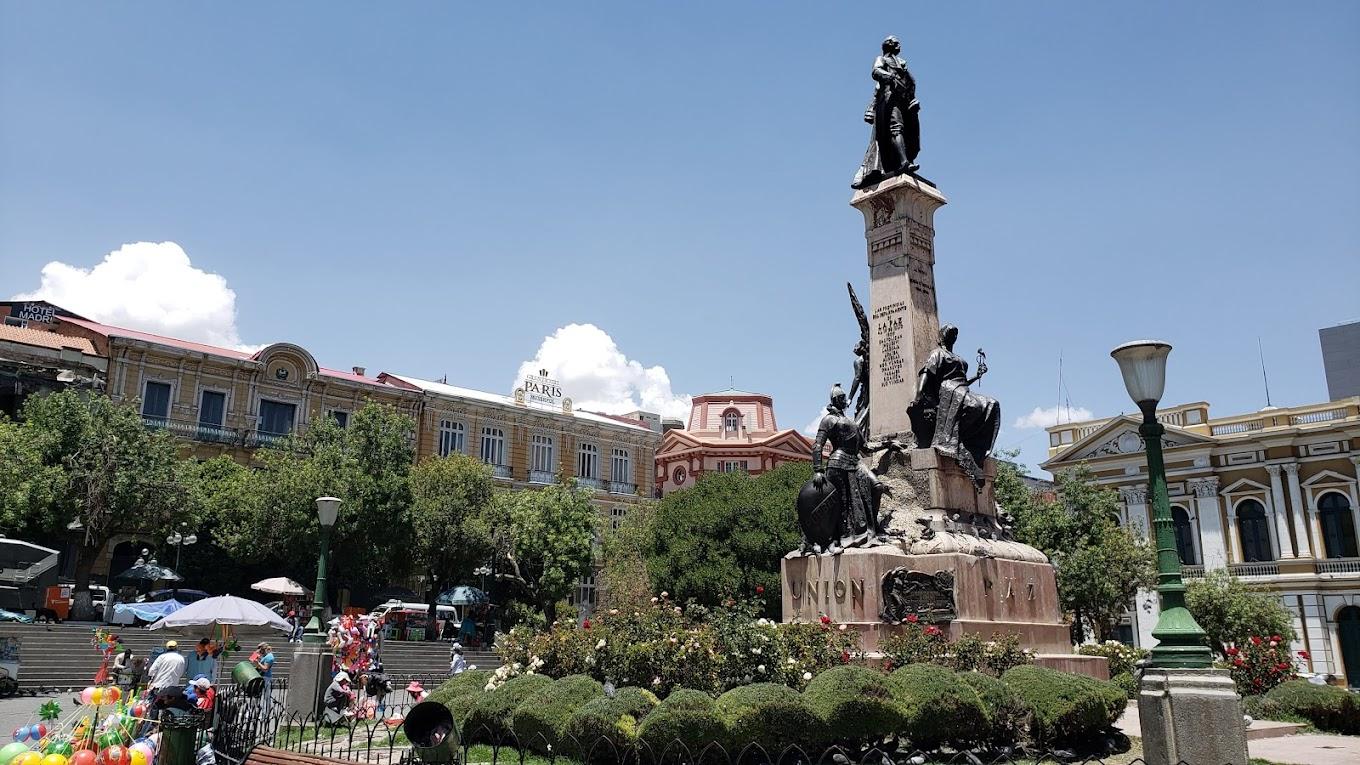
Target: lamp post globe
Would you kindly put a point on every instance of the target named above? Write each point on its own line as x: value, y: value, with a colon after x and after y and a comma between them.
x: 1181, y: 642
x: 327, y: 512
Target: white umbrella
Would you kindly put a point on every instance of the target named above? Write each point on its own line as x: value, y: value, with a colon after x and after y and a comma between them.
x: 279, y: 585
x: 223, y: 609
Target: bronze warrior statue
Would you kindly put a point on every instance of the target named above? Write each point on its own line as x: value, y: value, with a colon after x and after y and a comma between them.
x: 949, y: 416
x: 860, y: 384
x: 895, y: 115
x: 854, y: 491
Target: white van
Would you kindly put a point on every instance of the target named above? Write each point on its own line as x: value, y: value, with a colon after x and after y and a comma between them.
x: 442, y: 612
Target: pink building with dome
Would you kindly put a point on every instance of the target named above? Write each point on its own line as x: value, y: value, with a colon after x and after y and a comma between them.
x: 731, y: 431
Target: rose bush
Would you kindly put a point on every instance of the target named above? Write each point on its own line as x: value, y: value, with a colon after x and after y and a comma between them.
x: 920, y: 643
x: 1260, y: 664
x: 665, y: 645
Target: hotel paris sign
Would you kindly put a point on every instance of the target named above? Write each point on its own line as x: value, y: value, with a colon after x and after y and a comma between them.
x: 541, y: 390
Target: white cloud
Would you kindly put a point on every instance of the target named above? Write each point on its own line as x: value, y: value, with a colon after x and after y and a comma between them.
x: 596, y: 375
x: 1043, y: 417
x: 810, y: 429
x: 149, y: 286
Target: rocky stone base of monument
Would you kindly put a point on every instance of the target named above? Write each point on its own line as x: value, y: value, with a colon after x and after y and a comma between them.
x: 1191, y: 715
x: 873, y: 590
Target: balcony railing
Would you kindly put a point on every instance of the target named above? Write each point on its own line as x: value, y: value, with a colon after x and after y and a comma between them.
x: 590, y: 483
x: 1339, y: 566
x: 1326, y: 415
x: 542, y: 476
x: 202, y: 431
x: 622, y: 487
x: 1192, y: 572
x: 1261, y: 568
x: 501, y: 471
x: 1236, y: 427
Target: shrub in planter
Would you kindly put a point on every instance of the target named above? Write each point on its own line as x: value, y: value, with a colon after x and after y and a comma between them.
x: 855, y: 704
x: 605, y: 729
x: 489, y: 718
x: 1006, y: 711
x: 540, y: 721
x: 1066, y: 708
x: 939, y: 707
x: 771, y: 716
x: 1326, y: 707
x: 682, y: 728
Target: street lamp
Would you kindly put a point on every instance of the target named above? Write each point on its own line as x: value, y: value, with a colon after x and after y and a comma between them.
x: 482, y: 571
x: 327, y: 509
x: 179, y: 539
x: 1181, y: 642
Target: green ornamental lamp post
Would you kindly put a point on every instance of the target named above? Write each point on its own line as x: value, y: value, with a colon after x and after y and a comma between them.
x: 1181, y: 642
x: 327, y: 510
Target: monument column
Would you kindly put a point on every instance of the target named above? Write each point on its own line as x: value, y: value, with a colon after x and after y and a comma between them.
x: 1213, y: 552
x: 904, y: 322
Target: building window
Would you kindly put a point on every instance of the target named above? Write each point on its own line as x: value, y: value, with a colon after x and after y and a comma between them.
x: 212, y: 408
x: 585, y: 593
x: 156, y: 401
x: 621, y: 466
x: 733, y: 466
x: 1338, y: 526
x: 731, y: 421
x: 276, y: 417
x: 542, y: 455
x: 679, y: 476
x: 1185, y: 543
x: 1254, y: 531
x: 341, y: 418
x: 588, y: 462
x: 493, y: 446
x: 452, y: 438
x: 616, y: 516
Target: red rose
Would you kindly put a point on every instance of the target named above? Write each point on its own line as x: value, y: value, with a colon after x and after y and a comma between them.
x: 1276, y: 638
x: 1231, y: 652
x: 585, y: 624
x: 760, y: 589
x: 932, y: 630
x: 1304, y: 655
x: 826, y: 619
x: 1255, y: 640
x: 845, y: 657
x: 1238, y: 663
x: 913, y: 618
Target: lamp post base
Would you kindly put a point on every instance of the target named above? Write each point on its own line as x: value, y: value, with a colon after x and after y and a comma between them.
x: 1192, y: 716
x: 308, y: 677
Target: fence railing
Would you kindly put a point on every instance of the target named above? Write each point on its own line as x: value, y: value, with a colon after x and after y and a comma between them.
x: 1338, y: 566
x: 386, y: 742
x: 1263, y: 568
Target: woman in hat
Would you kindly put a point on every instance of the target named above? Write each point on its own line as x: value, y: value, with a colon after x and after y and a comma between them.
x: 339, y: 696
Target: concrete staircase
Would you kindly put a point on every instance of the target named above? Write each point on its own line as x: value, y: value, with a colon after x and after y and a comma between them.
x: 60, y: 655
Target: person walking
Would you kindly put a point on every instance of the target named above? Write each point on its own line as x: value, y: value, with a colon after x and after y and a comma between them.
x: 457, y: 664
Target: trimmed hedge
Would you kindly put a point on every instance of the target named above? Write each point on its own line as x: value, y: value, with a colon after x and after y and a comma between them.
x: 488, y: 720
x: 940, y: 708
x: 540, y: 721
x: 460, y: 692
x: 605, y: 729
x: 1065, y: 707
x: 1327, y: 707
x: 771, y: 716
x: 855, y: 704
x: 682, y: 727
x: 1007, y: 714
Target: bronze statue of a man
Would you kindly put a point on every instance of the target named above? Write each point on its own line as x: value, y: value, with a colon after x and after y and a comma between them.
x: 854, y: 486
x: 895, y: 115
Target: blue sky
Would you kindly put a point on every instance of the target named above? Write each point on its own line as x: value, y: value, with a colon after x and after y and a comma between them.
x: 435, y: 188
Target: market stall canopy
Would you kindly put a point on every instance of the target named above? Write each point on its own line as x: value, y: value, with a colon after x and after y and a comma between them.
x: 149, y: 612
x: 280, y: 585
x: 149, y: 572
x: 223, y: 609
x: 182, y: 595
x: 463, y: 595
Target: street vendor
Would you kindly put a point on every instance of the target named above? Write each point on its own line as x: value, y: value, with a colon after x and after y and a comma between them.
x: 203, y: 660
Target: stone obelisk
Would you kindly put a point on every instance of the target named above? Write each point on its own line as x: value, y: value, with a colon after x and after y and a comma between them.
x: 899, y: 231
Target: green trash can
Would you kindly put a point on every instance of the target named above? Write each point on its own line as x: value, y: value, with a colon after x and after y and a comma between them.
x: 245, y: 675
x: 434, y: 737
x: 179, y: 734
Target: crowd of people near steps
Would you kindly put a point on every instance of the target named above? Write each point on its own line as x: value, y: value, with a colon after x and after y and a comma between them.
x: 368, y: 696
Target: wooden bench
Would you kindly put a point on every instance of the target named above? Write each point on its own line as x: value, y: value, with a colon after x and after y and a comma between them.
x: 268, y: 755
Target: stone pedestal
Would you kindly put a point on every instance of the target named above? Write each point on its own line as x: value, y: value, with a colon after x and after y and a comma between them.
x: 308, y: 676
x: 899, y: 217
x: 1192, y: 716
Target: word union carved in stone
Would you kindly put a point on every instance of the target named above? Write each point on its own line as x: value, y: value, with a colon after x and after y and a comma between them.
x: 824, y: 590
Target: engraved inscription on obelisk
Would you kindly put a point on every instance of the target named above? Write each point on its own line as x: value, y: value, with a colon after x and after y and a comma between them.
x: 899, y: 230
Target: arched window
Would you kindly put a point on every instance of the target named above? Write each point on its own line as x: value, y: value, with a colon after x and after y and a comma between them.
x: 731, y: 421
x: 1254, y: 531
x: 1185, y: 543
x: 1338, y: 526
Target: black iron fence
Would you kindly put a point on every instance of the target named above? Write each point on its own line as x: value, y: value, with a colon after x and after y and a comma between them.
x: 243, y: 723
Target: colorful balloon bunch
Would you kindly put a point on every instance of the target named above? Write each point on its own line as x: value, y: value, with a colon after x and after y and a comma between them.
x: 97, y: 696
x: 355, y: 643
x: 35, y: 732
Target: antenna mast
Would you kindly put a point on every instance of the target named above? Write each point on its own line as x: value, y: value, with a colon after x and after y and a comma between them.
x: 1264, y: 379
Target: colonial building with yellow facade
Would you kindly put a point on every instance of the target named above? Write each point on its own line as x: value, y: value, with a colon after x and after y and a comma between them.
x: 1272, y: 496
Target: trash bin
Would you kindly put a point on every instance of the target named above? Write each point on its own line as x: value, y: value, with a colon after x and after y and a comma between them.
x: 433, y: 736
x: 179, y: 735
x: 248, y: 678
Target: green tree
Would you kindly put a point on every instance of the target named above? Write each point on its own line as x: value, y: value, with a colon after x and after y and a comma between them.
x: 1231, y: 611
x: 451, y: 535
x: 624, y: 580
x: 367, y: 465
x: 545, y: 537
x: 1100, y: 565
x: 93, y: 469
x: 726, y: 535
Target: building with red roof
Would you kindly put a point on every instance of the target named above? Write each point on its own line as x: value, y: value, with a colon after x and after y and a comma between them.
x: 728, y: 431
